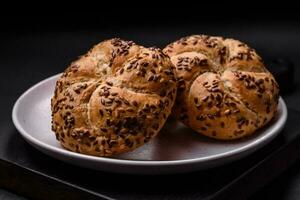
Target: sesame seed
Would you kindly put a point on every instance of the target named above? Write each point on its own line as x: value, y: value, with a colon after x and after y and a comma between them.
x: 130, y: 110
x: 126, y: 102
x: 214, y: 133
x: 268, y: 110
x: 151, y: 78
x: 128, y: 142
x: 203, y: 128
x: 238, y: 132
x: 109, y: 101
x: 227, y: 112
x: 222, y: 124
x: 123, y: 131
x: 205, y: 98
x: 114, y: 94
x: 200, y: 118
x: 101, y: 113
x: 106, y: 93
x: 135, y: 103
x: 196, y: 100
x: 210, y: 116
x: 236, y: 111
x: 208, y: 124
x: 183, y: 116
x: 109, y: 83
x: 155, y: 126
x: 215, y: 90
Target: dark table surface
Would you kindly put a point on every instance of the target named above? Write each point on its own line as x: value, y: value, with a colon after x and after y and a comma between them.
x: 28, y: 56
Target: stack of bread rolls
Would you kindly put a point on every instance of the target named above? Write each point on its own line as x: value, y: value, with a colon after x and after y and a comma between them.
x: 118, y: 96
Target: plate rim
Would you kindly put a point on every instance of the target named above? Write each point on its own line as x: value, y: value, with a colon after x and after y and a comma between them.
x: 33, y: 141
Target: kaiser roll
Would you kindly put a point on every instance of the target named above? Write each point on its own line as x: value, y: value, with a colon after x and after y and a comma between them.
x: 113, y: 99
x: 224, y: 90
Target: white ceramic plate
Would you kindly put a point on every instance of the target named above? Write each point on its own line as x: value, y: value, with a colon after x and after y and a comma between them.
x: 177, y: 149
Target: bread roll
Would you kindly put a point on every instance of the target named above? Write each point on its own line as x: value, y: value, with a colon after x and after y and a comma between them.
x: 113, y: 99
x: 224, y: 90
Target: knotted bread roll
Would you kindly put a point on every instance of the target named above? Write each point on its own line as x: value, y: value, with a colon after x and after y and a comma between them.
x: 113, y: 99
x: 224, y: 90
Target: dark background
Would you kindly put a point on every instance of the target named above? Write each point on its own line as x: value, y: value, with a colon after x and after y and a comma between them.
x: 38, y: 43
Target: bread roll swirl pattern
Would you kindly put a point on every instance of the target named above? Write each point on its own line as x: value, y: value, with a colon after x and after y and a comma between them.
x: 113, y: 99
x: 224, y: 90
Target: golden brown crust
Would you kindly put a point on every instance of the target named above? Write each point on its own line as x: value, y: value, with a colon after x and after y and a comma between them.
x: 224, y: 90
x: 113, y: 99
